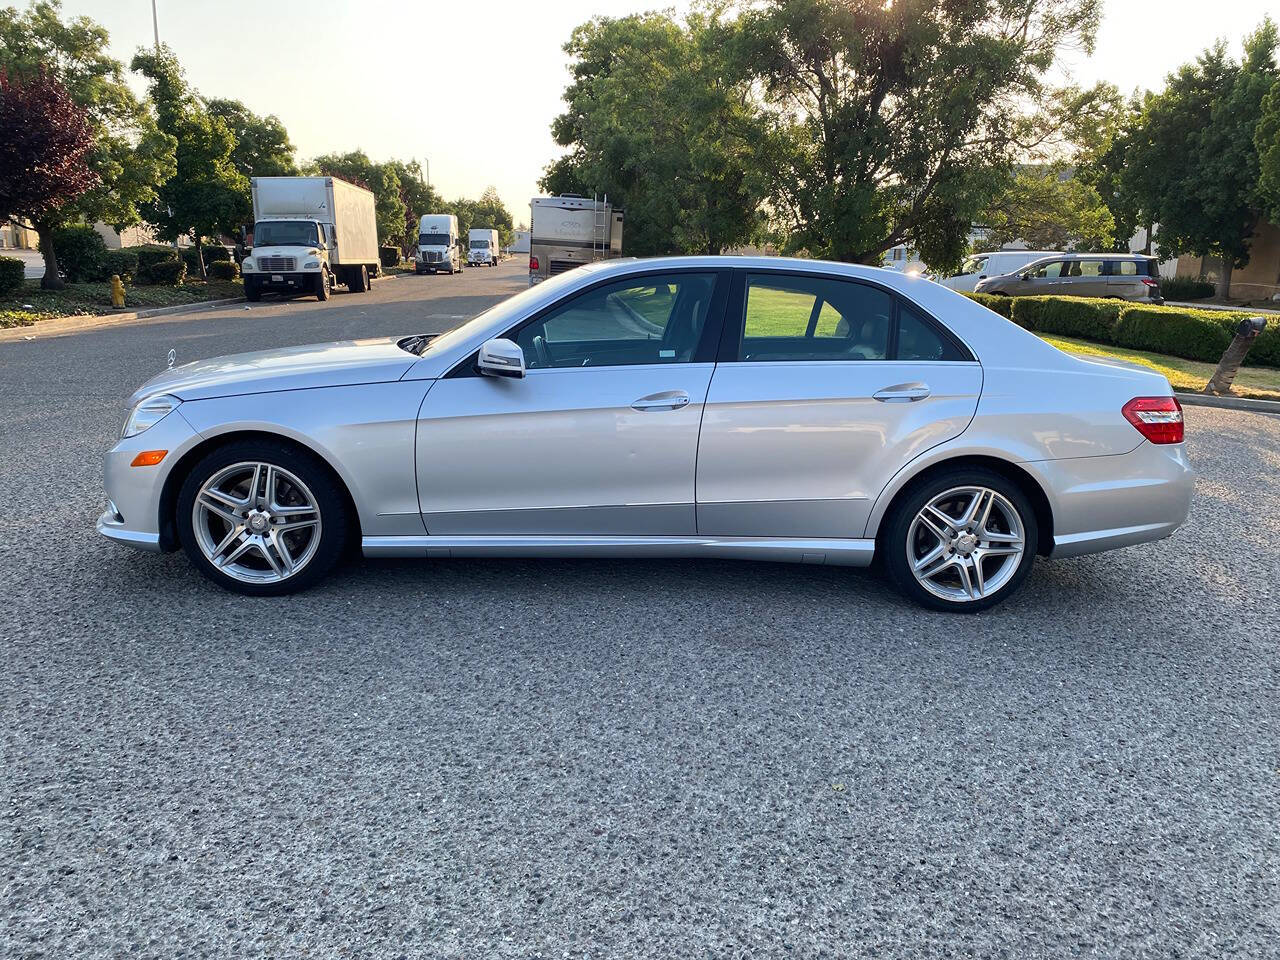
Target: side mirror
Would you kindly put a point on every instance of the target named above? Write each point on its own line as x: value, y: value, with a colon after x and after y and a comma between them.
x: 500, y: 358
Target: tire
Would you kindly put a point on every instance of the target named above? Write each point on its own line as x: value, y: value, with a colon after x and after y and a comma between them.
x: 358, y: 279
x: 906, y: 537
x: 301, y: 479
x: 252, y: 292
x: 324, y: 286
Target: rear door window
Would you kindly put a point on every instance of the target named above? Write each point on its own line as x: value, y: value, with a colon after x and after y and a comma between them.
x: 814, y: 318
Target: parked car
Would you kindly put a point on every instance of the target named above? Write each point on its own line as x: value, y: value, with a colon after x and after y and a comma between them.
x: 830, y: 413
x: 980, y: 266
x: 1120, y: 276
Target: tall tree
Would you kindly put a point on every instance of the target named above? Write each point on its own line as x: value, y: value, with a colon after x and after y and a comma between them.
x: 897, y: 122
x: 262, y: 147
x: 205, y: 195
x: 656, y: 118
x: 1267, y: 139
x: 45, y: 141
x: 492, y: 214
x: 1049, y: 208
x: 380, y: 178
x: 1194, y: 160
x: 418, y: 197
x: 130, y: 156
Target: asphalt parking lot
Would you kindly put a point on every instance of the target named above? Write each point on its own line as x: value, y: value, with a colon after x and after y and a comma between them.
x: 500, y: 758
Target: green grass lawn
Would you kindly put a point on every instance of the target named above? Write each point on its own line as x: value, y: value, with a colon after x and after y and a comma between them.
x: 87, y: 299
x: 1262, y: 383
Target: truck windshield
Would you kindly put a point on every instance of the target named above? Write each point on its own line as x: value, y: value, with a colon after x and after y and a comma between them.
x: 479, y: 244
x: 433, y: 239
x: 284, y: 233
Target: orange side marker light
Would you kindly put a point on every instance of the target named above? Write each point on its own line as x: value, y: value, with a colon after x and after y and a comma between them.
x: 148, y: 458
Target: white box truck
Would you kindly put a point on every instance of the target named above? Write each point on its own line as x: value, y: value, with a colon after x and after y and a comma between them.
x: 568, y: 231
x: 308, y: 234
x: 439, y: 244
x: 482, y: 244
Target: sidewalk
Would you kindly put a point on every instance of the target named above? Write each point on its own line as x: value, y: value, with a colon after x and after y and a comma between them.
x: 1264, y: 311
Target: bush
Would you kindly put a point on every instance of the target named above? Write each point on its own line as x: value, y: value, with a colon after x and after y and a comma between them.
x: 169, y: 272
x: 1000, y: 305
x: 122, y: 263
x: 1083, y: 317
x: 223, y: 270
x: 1186, y: 288
x: 390, y: 256
x: 12, y: 271
x: 214, y: 253
x: 1192, y: 334
x: 152, y: 254
x: 81, y: 254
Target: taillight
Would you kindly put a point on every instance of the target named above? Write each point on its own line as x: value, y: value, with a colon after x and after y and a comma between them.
x: 1150, y: 283
x: 533, y: 263
x: 1159, y: 419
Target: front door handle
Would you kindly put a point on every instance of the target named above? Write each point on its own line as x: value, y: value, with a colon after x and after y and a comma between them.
x: 670, y: 400
x: 902, y: 393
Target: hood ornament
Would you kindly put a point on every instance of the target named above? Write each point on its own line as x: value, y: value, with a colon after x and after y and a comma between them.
x: 173, y: 356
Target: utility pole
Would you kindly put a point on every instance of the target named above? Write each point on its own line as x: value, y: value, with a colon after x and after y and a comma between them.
x: 155, y: 24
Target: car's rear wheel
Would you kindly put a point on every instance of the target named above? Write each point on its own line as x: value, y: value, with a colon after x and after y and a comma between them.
x: 262, y: 518
x: 962, y: 540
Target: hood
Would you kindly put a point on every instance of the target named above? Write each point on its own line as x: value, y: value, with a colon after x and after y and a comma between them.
x: 337, y: 364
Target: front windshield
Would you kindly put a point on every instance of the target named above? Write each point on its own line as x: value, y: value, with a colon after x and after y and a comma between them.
x: 433, y: 239
x: 284, y: 233
x: 506, y: 312
x: 479, y: 244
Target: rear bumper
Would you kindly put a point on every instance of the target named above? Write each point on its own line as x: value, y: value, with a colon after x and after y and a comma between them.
x: 1100, y: 503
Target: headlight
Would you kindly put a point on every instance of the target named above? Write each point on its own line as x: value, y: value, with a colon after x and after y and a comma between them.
x: 311, y: 265
x: 147, y: 414
x: 247, y: 265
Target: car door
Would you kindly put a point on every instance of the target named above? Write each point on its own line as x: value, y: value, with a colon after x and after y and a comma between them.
x: 599, y: 437
x: 825, y: 388
x: 1083, y: 278
x: 1039, y: 280
x: 1125, y: 280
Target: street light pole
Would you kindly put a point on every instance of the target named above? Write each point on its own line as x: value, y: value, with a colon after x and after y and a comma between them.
x: 155, y: 24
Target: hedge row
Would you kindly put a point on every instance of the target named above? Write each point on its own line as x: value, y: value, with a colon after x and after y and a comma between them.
x: 1176, y: 331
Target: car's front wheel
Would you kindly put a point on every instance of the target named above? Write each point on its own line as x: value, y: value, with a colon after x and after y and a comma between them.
x: 962, y: 540
x: 262, y: 518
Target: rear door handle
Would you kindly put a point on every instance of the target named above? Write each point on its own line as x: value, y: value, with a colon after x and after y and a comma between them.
x: 902, y: 393
x: 670, y: 400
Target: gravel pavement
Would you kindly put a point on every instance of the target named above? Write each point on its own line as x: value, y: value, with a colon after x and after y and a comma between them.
x: 494, y: 759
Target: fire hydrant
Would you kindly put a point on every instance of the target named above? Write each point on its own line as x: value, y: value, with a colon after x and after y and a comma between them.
x: 117, y: 291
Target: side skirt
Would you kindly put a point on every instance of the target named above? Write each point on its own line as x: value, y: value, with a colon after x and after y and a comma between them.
x: 851, y: 553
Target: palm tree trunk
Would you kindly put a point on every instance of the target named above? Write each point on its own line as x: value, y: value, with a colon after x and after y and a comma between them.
x: 1232, y: 358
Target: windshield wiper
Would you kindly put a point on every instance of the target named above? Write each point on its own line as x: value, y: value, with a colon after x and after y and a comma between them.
x: 416, y: 345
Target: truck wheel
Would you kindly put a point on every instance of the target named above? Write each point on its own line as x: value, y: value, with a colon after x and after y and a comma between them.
x: 323, y: 285
x: 358, y: 279
x: 252, y: 292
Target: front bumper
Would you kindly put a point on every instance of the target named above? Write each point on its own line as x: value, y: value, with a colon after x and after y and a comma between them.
x: 297, y: 280
x: 132, y: 516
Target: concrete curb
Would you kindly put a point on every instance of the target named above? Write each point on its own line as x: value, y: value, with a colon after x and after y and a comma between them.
x: 1229, y: 403
x: 59, y: 326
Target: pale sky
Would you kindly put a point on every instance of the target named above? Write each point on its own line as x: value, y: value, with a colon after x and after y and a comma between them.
x: 356, y: 76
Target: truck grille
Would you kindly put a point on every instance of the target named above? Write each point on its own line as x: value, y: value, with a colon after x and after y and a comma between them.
x: 561, y: 266
x: 278, y: 263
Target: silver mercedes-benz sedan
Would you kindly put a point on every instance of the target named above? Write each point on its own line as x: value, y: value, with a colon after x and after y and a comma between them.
x: 752, y: 408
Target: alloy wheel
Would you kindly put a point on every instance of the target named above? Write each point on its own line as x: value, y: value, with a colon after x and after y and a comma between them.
x: 966, y: 543
x: 256, y: 522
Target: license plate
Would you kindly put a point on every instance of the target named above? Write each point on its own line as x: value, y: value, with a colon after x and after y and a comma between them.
x: 276, y: 278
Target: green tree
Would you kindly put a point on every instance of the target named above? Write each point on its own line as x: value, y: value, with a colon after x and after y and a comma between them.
x: 382, y: 179
x: 418, y: 197
x: 1101, y: 125
x: 1194, y: 160
x: 1267, y: 141
x: 131, y: 157
x: 1049, y: 209
x: 205, y: 195
x: 262, y: 148
x: 898, y: 122
x: 657, y: 120
x: 492, y: 214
